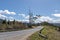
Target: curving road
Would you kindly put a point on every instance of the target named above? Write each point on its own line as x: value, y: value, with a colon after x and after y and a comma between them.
x: 18, y: 35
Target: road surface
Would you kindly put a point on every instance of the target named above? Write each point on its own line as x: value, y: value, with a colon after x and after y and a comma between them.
x: 18, y: 35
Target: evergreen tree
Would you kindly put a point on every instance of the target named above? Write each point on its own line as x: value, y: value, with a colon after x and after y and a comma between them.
x: 4, y: 21
x: 14, y: 21
x: 8, y: 22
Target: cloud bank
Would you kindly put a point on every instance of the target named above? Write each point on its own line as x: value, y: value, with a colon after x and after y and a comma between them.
x: 7, y: 12
x: 43, y: 18
x: 3, y: 16
x: 25, y: 16
x: 56, y: 15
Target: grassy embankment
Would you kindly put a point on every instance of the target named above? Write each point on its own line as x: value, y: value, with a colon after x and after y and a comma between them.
x: 50, y: 31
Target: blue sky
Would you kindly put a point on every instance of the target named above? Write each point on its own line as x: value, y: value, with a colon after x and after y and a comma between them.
x: 20, y: 8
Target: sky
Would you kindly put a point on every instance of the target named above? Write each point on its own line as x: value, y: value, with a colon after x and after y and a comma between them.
x: 19, y: 10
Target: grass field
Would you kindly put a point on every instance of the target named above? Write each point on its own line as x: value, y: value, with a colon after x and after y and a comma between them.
x: 49, y: 31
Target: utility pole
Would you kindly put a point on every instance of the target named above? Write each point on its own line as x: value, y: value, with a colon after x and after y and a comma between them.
x: 30, y: 18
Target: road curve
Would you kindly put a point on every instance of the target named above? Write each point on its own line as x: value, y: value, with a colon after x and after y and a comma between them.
x: 18, y: 35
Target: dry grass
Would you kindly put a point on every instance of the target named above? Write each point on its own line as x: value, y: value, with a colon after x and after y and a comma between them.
x: 50, y: 31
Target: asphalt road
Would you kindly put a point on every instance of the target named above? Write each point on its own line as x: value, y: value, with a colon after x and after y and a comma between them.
x: 18, y: 35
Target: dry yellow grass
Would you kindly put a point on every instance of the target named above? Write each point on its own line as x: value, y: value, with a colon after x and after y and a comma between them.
x: 50, y: 31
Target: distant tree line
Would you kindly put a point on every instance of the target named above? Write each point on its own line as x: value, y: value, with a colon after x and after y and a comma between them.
x: 11, y: 25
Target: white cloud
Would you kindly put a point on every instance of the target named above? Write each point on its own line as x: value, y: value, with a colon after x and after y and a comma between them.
x: 6, y: 12
x: 3, y: 16
x: 23, y: 15
x: 22, y: 20
x: 56, y: 21
x: 56, y: 15
x: 25, y: 20
x: 47, y: 19
x: 27, y: 17
x: 44, y: 18
x: 11, y: 17
x: 39, y: 19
